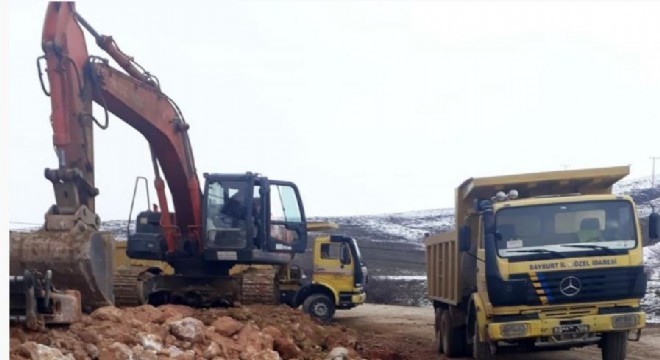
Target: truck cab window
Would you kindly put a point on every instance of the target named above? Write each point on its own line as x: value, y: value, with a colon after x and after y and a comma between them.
x: 330, y: 251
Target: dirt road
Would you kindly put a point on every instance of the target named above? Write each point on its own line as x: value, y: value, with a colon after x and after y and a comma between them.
x: 398, y: 332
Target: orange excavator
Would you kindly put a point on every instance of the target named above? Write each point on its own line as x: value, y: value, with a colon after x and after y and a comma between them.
x: 231, y: 219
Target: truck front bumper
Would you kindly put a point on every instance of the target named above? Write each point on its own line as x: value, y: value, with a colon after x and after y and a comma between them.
x: 359, y: 298
x: 559, y: 329
x: 349, y: 300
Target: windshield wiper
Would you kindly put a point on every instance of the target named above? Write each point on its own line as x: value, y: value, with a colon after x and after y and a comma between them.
x: 539, y: 251
x: 591, y: 246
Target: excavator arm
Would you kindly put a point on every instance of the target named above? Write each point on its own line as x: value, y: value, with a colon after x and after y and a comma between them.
x: 70, y: 244
x: 76, y: 80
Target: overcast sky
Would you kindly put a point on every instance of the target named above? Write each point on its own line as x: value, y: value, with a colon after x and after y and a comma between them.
x: 370, y: 107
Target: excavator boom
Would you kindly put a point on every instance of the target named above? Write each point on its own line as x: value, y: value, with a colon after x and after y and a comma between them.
x: 70, y: 243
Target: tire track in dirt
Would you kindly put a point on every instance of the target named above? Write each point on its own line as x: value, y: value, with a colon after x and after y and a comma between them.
x: 402, y: 332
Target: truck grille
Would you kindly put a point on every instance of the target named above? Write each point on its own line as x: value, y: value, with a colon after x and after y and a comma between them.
x: 590, y: 285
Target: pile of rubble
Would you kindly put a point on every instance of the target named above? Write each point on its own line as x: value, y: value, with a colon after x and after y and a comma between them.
x: 146, y: 332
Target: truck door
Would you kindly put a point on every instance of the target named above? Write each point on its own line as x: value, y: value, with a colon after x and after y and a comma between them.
x: 334, y: 265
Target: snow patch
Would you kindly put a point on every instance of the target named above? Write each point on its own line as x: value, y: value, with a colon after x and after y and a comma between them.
x: 401, y: 277
x: 651, y: 302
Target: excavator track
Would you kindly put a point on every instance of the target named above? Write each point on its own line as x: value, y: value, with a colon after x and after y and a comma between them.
x: 125, y: 285
x: 259, y: 286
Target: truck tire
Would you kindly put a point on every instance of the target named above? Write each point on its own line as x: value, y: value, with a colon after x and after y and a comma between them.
x: 480, y: 350
x: 453, y: 338
x: 438, y: 331
x: 614, y: 345
x: 319, y: 306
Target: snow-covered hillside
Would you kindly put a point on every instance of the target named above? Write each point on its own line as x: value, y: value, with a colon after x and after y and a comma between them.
x: 640, y: 189
x: 651, y: 302
x: 408, y: 227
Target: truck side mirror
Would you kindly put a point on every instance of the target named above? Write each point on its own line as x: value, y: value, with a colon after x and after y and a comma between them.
x: 464, y: 238
x: 345, y: 255
x: 654, y: 226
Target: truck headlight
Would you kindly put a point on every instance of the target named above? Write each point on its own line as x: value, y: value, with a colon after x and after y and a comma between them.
x: 514, y: 329
x: 625, y: 321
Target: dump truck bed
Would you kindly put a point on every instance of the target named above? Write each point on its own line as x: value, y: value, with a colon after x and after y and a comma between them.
x: 442, y: 264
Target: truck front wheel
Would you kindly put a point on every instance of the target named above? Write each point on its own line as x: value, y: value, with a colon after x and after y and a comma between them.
x: 480, y: 350
x: 319, y: 306
x: 614, y: 345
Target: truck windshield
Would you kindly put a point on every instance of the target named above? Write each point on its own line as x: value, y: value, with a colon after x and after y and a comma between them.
x: 594, y: 226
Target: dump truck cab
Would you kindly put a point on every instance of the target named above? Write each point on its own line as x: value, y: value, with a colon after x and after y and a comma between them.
x: 545, y: 260
x: 338, y: 278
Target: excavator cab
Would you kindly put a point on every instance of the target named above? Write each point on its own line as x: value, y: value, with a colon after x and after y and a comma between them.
x: 246, y: 216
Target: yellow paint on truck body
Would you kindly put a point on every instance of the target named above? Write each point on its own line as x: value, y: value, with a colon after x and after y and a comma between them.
x: 329, y: 272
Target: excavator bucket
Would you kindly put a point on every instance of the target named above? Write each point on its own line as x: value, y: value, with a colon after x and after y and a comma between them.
x: 79, y: 260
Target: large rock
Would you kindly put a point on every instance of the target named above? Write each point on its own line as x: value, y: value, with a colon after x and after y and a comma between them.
x: 186, y: 355
x: 260, y: 355
x: 92, y: 350
x: 146, y: 313
x: 252, y: 340
x: 144, y: 354
x: 338, y: 353
x: 34, y: 351
x: 188, y: 329
x: 212, y: 351
x: 283, y: 345
x: 150, y: 341
x: 116, y: 351
x: 227, y: 326
x: 108, y: 313
x: 174, y: 312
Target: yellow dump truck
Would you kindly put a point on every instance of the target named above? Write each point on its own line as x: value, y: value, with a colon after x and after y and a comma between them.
x: 542, y: 260
x: 338, y: 279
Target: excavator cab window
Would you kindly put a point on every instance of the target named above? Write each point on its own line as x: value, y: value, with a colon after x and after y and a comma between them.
x: 227, y: 215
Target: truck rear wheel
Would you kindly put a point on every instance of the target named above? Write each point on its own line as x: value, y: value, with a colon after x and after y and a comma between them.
x: 453, y: 338
x: 438, y: 331
x: 480, y: 350
x: 319, y: 306
x: 614, y: 345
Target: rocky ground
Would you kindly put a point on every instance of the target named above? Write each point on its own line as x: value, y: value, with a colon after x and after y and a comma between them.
x: 262, y: 333
x: 146, y: 332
